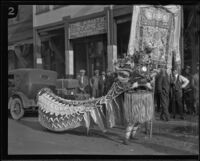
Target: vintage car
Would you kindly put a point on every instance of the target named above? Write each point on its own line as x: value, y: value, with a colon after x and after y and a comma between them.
x: 68, y: 89
x: 23, y: 86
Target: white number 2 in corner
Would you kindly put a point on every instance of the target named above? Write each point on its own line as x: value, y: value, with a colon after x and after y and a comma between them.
x: 11, y: 11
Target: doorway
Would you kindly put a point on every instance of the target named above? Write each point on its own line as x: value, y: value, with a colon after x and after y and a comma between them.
x: 90, y: 54
x: 53, y: 51
x: 123, y: 33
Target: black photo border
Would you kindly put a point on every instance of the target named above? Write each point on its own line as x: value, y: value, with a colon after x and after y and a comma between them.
x: 4, y: 91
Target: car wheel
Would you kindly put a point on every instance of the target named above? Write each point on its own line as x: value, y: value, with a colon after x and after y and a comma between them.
x: 16, y: 109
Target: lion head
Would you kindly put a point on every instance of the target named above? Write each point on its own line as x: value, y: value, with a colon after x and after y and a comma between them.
x: 138, y: 69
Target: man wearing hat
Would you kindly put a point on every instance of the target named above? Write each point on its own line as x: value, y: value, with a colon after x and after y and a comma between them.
x: 178, y: 83
x: 83, y: 82
x: 102, y: 82
x: 195, y: 85
x: 94, y: 83
x: 187, y: 92
x: 110, y: 78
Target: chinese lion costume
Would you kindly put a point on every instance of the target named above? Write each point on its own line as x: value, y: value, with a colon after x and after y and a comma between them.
x: 152, y: 35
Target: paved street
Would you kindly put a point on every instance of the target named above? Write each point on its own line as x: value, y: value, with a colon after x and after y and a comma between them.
x: 175, y: 138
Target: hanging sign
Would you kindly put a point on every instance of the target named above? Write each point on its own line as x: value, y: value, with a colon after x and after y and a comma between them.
x: 87, y: 28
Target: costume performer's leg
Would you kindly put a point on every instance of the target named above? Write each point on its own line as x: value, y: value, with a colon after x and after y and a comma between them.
x: 179, y: 104
x: 129, y: 130
x: 93, y: 92
x: 164, y: 106
x: 134, y: 130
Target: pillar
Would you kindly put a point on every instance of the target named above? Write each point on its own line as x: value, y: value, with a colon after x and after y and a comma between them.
x: 182, y: 38
x: 37, y: 49
x: 111, y: 38
x: 69, y: 53
x: 196, y: 38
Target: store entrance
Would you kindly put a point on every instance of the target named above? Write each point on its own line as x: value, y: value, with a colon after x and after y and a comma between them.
x: 90, y: 54
x: 80, y: 57
x: 53, y: 51
x: 123, y: 33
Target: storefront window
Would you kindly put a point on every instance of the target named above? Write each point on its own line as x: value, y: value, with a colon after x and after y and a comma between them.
x: 123, y: 33
x: 11, y: 60
x: 46, y: 55
x: 90, y: 54
x: 53, y: 53
x: 21, y: 57
x: 97, y: 56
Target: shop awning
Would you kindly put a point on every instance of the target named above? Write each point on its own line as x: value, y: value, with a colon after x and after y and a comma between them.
x: 20, y: 33
x: 19, y: 43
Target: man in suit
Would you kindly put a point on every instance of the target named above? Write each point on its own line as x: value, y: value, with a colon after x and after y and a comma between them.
x: 156, y: 95
x: 94, y: 83
x: 163, y: 85
x: 83, y: 82
x: 187, y: 92
x: 110, y: 78
x: 178, y: 83
x: 195, y: 85
x: 102, y: 82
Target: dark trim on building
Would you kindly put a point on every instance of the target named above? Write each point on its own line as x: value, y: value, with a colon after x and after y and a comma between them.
x: 66, y: 29
x: 114, y: 32
x: 34, y: 47
x: 69, y: 76
x: 107, y: 19
x: 181, y: 43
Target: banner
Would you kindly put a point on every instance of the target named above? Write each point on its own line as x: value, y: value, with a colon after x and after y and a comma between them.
x: 158, y: 27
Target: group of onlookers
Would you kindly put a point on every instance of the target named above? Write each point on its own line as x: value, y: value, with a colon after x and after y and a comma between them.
x: 177, y: 94
x: 98, y: 85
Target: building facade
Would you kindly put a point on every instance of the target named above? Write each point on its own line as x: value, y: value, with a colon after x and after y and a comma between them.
x: 20, y: 39
x: 68, y: 38
x: 87, y: 37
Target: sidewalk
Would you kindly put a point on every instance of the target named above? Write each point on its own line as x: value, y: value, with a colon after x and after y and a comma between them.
x: 189, y: 126
x: 175, y: 137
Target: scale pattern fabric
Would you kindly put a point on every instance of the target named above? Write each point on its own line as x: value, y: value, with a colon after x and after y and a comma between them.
x: 58, y: 114
x: 138, y: 107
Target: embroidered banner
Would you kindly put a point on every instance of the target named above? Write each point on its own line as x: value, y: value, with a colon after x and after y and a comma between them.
x: 158, y: 27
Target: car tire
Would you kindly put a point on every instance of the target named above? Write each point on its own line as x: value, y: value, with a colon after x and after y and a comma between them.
x: 16, y: 109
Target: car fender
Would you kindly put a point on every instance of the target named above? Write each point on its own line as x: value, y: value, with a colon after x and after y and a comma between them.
x: 9, y: 102
x: 25, y: 100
